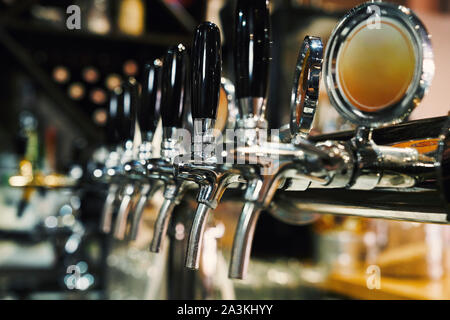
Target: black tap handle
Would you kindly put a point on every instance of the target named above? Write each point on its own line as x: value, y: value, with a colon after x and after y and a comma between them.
x: 129, y: 101
x: 206, y: 71
x: 252, y: 48
x: 148, y: 112
x: 112, y: 133
x: 173, y: 86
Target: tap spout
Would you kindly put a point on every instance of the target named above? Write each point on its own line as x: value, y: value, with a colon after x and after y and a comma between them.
x: 243, y: 239
x: 211, y: 191
x: 147, y: 190
x: 260, y: 192
x: 172, y: 196
x: 108, y: 208
x: 124, y: 210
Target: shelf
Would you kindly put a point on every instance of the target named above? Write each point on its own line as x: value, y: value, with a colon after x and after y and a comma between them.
x: 354, y: 285
x: 149, y: 39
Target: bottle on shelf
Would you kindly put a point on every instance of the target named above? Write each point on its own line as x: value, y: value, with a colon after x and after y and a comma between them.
x: 131, y: 17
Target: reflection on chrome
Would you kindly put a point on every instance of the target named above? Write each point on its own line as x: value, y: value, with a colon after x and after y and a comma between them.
x: 348, y: 173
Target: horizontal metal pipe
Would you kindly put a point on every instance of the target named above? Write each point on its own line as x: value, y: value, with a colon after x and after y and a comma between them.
x: 359, y: 211
x: 411, y: 130
x: 417, y: 206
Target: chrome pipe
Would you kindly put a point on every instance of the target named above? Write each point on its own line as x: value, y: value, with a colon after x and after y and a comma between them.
x: 162, y: 224
x: 259, y: 194
x: 108, y: 208
x: 147, y: 191
x: 243, y: 239
x: 196, y: 236
x: 425, y: 206
x: 120, y: 227
x: 173, y: 193
x: 365, y: 212
x: 212, y: 186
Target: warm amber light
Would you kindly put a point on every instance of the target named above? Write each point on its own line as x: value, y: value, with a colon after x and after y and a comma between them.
x: 222, y: 112
x: 376, y: 66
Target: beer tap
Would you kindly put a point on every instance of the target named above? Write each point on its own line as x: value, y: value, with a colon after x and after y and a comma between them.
x: 251, y: 66
x: 172, y: 107
x: 130, y: 97
x: 148, y: 114
x: 358, y: 164
x: 120, y: 129
x: 276, y: 162
x: 370, y: 163
x: 206, y: 168
x: 112, y: 161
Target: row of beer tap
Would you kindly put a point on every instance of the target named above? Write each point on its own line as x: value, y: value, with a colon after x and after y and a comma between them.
x: 246, y: 161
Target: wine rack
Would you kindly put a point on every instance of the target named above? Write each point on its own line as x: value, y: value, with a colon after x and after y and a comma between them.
x: 77, y: 68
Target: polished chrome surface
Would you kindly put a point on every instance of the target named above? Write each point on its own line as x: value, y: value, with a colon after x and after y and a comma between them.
x: 289, y: 214
x: 146, y: 192
x: 173, y: 192
x: 253, y: 112
x: 252, y: 127
x: 162, y: 224
x: 443, y: 165
x: 122, y: 214
x: 212, y: 181
x: 243, y: 238
x: 204, y: 141
x: 353, y: 173
x: 424, y: 64
x: 233, y: 111
x: 305, y: 90
x: 361, y: 211
x: 170, y: 147
x: 162, y: 169
x: 108, y: 208
x: 196, y: 236
x: 261, y: 189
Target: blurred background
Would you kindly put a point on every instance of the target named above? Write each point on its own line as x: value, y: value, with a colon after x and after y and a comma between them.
x: 54, y: 85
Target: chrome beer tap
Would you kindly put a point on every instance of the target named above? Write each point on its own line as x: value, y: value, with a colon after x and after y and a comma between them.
x: 296, y: 165
x: 251, y: 66
x: 205, y: 167
x: 275, y: 162
x: 251, y: 62
x: 211, y: 171
x: 108, y: 173
x: 130, y: 96
x: 354, y: 164
x: 147, y: 115
x: 172, y: 108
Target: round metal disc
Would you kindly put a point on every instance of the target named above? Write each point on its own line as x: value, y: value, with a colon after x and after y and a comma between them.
x: 386, y: 21
x: 305, y: 90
